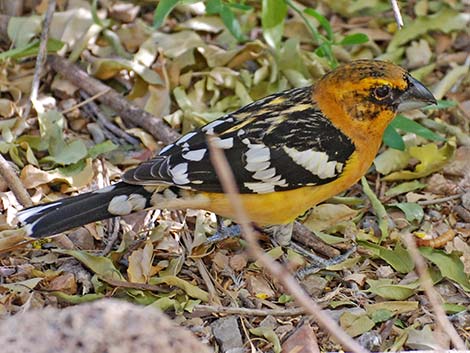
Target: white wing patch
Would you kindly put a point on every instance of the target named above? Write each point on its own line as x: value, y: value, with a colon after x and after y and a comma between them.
x: 179, y: 174
x: 185, y: 138
x: 196, y: 155
x: 315, y: 162
x: 124, y: 204
x: 209, y: 128
x: 223, y: 143
x: 27, y: 213
x: 258, y: 161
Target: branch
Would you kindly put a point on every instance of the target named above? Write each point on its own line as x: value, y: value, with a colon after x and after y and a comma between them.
x: 126, y: 110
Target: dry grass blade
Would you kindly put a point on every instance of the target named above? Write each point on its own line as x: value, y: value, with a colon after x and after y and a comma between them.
x: 397, y: 13
x: 276, y: 270
x: 427, y: 285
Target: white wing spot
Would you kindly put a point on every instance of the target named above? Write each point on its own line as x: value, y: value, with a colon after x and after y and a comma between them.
x: 120, y: 205
x: 209, y: 128
x: 265, y: 174
x: 257, y: 153
x: 223, y: 143
x: 314, y: 161
x: 27, y: 213
x: 166, y: 148
x: 256, y: 167
x: 179, y: 174
x: 260, y: 188
x: 185, y: 138
x: 195, y: 155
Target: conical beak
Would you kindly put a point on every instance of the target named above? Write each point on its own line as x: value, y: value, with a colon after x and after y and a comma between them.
x: 416, y: 96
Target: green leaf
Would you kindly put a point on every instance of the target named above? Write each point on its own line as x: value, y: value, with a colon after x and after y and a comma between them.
x: 273, y: 14
x: 356, y: 38
x: 322, y: 20
x: 66, y: 154
x: 190, y: 289
x: 231, y: 22
x: 78, y: 299
x: 285, y: 298
x: 355, y: 324
x: 453, y: 308
x: 404, y: 188
x: 100, y: 265
x: 104, y: 147
x: 431, y: 160
x: 413, y: 211
x: 449, y: 264
x: 213, y: 7
x: 398, y: 258
x: 53, y: 46
x: 403, y: 123
x: 386, y: 289
x: 381, y: 315
x: 163, y: 9
x: 22, y: 286
x: 242, y: 7
x: 393, y: 139
x: 268, y: 333
x: 379, y: 209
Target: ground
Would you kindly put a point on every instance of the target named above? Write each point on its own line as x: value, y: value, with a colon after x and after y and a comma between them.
x: 194, y: 65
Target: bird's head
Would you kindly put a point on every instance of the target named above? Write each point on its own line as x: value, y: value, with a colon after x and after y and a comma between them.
x: 370, y: 93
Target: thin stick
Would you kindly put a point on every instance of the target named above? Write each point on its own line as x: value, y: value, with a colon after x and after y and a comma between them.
x: 426, y: 283
x: 14, y: 183
x: 128, y: 111
x: 84, y: 102
x: 276, y: 270
x: 217, y: 309
x: 441, y: 200
x: 397, y: 13
x: 41, y: 58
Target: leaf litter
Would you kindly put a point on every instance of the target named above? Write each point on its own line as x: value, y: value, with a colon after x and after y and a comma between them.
x: 197, y: 66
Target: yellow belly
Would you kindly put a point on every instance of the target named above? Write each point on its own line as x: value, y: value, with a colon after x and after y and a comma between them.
x: 285, y: 206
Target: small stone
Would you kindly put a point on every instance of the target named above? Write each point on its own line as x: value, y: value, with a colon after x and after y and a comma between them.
x: 314, y: 285
x: 238, y: 261
x: 82, y: 239
x: 227, y: 334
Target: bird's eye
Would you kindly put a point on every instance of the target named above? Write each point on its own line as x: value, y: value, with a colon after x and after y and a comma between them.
x: 382, y: 92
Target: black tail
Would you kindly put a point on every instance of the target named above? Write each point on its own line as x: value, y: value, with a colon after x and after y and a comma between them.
x: 58, y: 216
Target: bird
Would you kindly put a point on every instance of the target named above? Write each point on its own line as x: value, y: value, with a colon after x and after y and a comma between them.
x: 288, y: 151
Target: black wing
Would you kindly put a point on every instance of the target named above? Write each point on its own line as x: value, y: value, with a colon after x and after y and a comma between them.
x: 281, y: 142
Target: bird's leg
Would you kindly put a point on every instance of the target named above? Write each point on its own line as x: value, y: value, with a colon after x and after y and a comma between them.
x: 224, y: 232
x: 282, y: 235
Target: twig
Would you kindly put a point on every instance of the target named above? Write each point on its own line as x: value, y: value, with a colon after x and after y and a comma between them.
x: 277, y: 271
x: 304, y: 236
x: 113, y: 238
x: 440, y: 200
x: 104, y: 122
x: 14, y: 183
x: 41, y: 58
x: 129, y: 112
x: 248, y: 311
x: 426, y: 283
x: 86, y: 100
x: 397, y: 13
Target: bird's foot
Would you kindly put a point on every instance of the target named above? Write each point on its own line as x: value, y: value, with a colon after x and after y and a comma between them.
x: 224, y: 232
x: 318, y: 263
